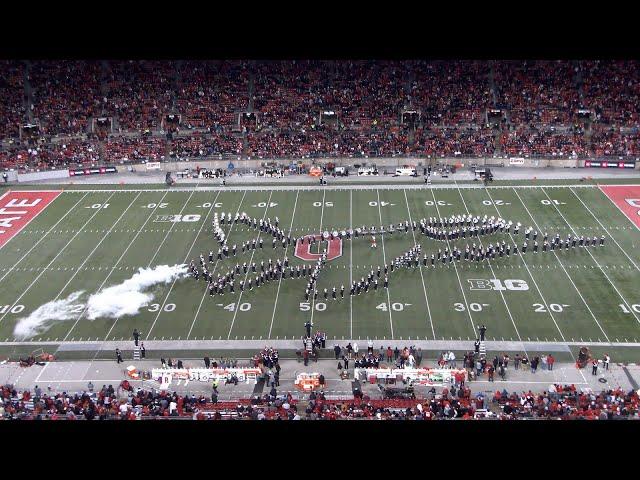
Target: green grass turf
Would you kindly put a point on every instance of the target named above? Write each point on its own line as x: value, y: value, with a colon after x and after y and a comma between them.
x: 420, y: 304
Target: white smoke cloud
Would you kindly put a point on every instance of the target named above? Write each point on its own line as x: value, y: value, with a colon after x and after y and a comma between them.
x: 126, y: 298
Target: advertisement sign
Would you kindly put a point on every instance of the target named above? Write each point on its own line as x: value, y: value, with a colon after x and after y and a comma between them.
x: 91, y: 171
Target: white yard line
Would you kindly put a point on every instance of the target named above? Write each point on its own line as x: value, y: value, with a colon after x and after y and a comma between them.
x: 186, y: 258
x: 313, y: 297
x: 564, y: 269
x: 235, y: 313
x: 275, y: 305
x: 384, y: 258
x: 605, y: 228
x: 594, y: 259
x: 351, y: 263
x: 215, y: 267
x: 42, y: 237
x: 84, y: 311
x: 504, y: 300
x: 55, y: 258
x: 544, y: 301
x: 473, y: 326
x: 424, y: 287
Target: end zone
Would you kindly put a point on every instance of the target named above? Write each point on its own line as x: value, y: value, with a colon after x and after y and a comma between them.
x: 626, y: 198
x: 19, y: 208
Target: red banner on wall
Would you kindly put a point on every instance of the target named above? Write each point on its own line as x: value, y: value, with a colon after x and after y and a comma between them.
x: 18, y: 208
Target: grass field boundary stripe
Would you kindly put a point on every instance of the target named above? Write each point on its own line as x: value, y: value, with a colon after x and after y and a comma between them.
x: 315, y: 287
x: 186, y: 257
x: 531, y: 275
x: 110, y: 271
x: 564, y: 269
x: 384, y: 258
x: 235, y: 313
x: 504, y: 300
x: 594, y: 259
x: 611, y: 200
x: 464, y: 296
x: 424, y: 287
x: 275, y: 304
x: 605, y: 228
x: 54, y: 258
x: 350, y: 263
x: 42, y: 237
x: 215, y: 266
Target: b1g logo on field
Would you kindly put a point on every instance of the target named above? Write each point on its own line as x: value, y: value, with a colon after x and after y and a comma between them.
x: 334, y: 247
x: 634, y: 202
x: 496, y: 284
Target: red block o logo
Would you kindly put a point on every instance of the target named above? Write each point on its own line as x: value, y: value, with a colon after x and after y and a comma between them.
x: 303, y: 249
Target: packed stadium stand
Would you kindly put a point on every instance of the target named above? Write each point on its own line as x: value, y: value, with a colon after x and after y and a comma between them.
x: 310, y: 109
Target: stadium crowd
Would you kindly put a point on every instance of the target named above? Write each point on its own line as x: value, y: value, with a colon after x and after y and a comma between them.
x: 456, y: 402
x: 547, y: 108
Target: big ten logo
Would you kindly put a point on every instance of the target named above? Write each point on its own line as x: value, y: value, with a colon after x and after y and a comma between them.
x: 304, y: 247
x: 499, y: 285
x: 634, y: 203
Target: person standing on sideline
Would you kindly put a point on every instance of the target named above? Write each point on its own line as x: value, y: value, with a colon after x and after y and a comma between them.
x: 207, y: 362
x: 136, y: 335
x: 543, y: 361
x: 482, y: 330
x: 389, y: 354
x: 594, y: 367
x: 605, y: 362
x: 5, y: 177
x: 550, y: 361
x: 355, y: 349
x: 476, y: 346
x: 490, y: 372
x: 143, y: 351
x: 516, y: 361
x: 119, y: 356
x: 337, y: 350
x: 370, y: 346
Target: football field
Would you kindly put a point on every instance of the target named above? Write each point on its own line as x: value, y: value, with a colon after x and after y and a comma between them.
x: 85, y: 240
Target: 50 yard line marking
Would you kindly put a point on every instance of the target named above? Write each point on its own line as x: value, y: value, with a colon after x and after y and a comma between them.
x: 186, y: 257
x: 563, y: 268
x: 594, y: 259
x: 315, y: 288
x: 473, y: 328
x: 41, y: 238
x: 424, y: 288
x: 275, y: 305
x: 54, y: 258
x: 504, y: 300
x: 384, y: 258
x: 215, y: 266
x: 235, y: 313
x: 84, y: 311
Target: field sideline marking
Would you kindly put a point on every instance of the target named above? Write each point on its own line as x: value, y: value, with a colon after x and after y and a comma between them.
x: 504, y: 300
x: 54, y: 258
x: 605, y: 228
x: 555, y: 254
x: 41, y: 238
x: 316, y: 286
x: 384, y: 257
x: 473, y: 327
x: 531, y: 275
x: 186, y: 257
x: 215, y: 266
x: 424, y: 288
x: 253, y: 252
x: 275, y: 305
x: 594, y: 259
x: 84, y: 310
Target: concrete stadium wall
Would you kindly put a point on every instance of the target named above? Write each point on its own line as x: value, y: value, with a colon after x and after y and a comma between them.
x: 48, y: 175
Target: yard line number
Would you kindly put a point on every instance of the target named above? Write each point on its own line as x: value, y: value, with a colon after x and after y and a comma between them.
x: 243, y: 307
x: 319, y: 307
x: 554, y: 307
x: 396, y: 307
x: 635, y: 307
x: 474, y: 307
